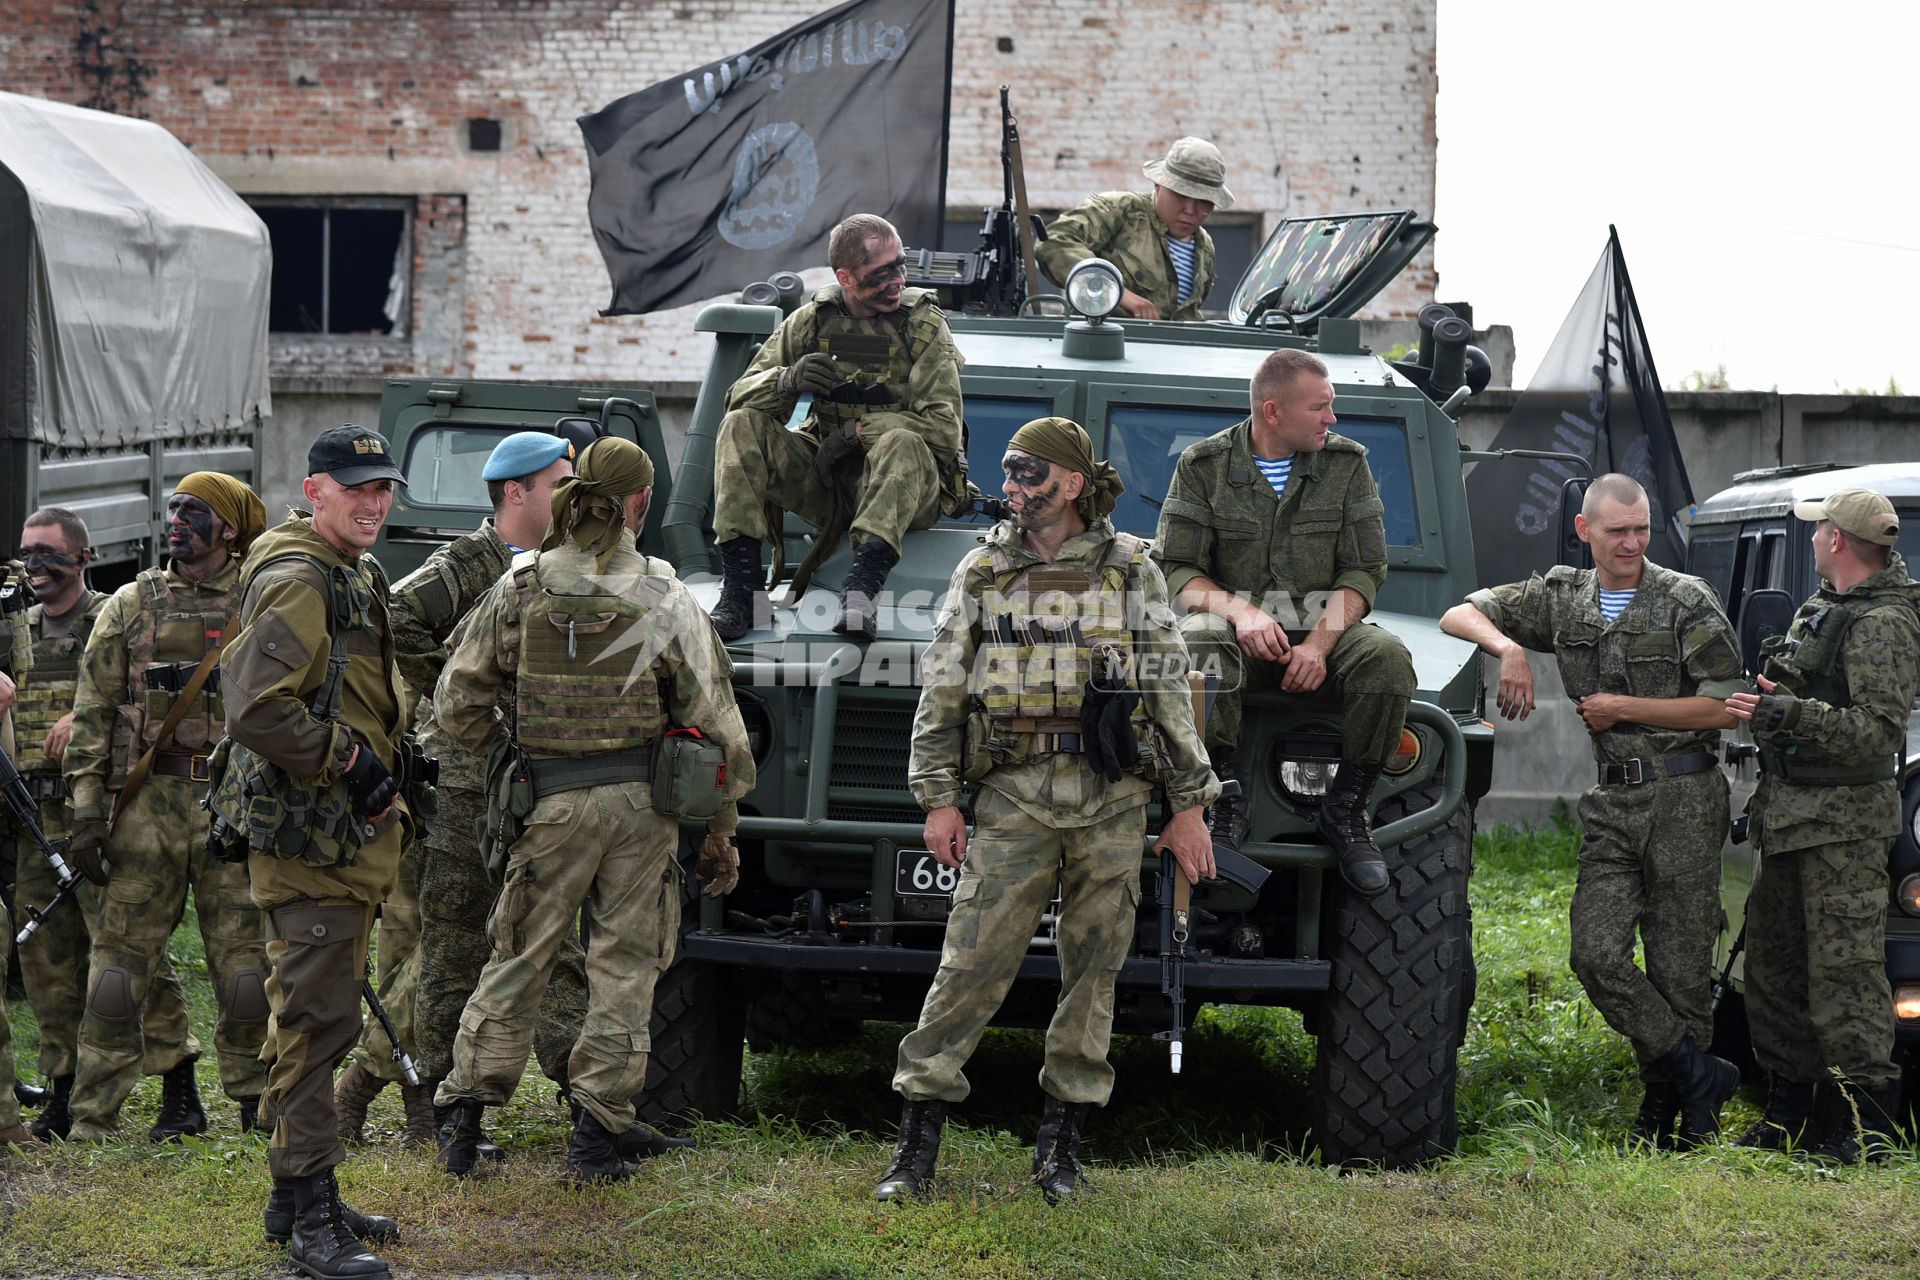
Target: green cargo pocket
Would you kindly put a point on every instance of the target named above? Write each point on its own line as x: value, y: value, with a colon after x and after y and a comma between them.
x: 971, y: 899
x: 1853, y: 927
x: 504, y: 932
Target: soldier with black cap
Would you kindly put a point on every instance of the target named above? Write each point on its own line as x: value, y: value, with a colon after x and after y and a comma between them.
x: 313, y: 793
x: 1830, y: 716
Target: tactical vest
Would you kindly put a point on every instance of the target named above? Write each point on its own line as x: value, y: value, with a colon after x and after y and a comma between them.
x: 1806, y: 662
x: 175, y: 628
x: 589, y: 671
x: 874, y: 350
x: 257, y: 806
x: 46, y: 694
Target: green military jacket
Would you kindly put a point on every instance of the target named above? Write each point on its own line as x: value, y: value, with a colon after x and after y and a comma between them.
x: 106, y: 738
x: 271, y: 670
x: 1122, y: 227
x: 1671, y: 641
x: 1222, y: 520
x: 681, y: 647
x: 1060, y: 789
x: 1879, y: 667
x: 47, y: 694
x: 425, y: 607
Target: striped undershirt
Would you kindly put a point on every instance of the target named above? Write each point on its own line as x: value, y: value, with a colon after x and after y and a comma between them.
x: 1613, y: 603
x: 1185, y: 255
x: 1276, y: 470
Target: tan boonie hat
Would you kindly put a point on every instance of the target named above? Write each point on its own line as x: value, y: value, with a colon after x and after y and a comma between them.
x: 1863, y: 513
x: 1193, y: 167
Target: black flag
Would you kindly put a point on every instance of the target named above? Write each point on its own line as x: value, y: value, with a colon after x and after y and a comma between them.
x: 1595, y: 395
x: 715, y: 179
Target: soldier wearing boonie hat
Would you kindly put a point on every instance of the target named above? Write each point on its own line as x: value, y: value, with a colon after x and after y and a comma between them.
x: 1157, y: 241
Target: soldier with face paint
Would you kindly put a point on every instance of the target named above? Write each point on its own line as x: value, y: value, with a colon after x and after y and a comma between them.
x: 147, y: 848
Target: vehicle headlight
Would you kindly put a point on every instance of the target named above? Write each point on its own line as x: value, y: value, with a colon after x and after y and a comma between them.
x: 1405, y: 756
x: 1906, y: 1003
x: 1094, y: 288
x: 1306, y: 779
x: 1908, y: 894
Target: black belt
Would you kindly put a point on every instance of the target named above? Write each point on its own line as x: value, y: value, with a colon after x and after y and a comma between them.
x: 45, y: 786
x: 181, y: 764
x: 1636, y: 772
x: 554, y: 774
x: 1787, y: 769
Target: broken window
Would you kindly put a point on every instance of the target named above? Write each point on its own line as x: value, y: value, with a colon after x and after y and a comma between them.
x: 341, y: 265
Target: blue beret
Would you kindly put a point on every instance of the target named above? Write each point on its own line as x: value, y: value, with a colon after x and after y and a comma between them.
x: 523, y: 453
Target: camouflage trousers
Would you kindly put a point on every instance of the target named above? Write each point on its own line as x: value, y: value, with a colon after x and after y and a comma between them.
x: 456, y: 896
x: 1650, y: 864
x: 318, y: 949
x: 758, y: 461
x: 9, y: 1105
x: 606, y: 847
x: 1369, y: 678
x: 396, y: 969
x: 158, y: 850
x: 1014, y: 863
x: 1816, y: 963
x: 53, y: 968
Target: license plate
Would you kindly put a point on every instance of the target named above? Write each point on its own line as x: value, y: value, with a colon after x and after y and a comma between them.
x: 917, y: 875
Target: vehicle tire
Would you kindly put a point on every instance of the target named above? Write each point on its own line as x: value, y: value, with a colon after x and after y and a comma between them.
x: 792, y: 1014
x: 698, y: 1033
x: 1392, y: 1022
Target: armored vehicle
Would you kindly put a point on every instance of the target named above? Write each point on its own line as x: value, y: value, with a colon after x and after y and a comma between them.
x: 839, y: 915
x: 1746, y: 543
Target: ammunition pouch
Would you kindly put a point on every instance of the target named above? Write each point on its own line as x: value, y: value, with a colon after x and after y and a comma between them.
x: 172, y: 677
x: 689, y: 775
x: 510, y: 799
x: 45, y: 788
x: 259, y: 809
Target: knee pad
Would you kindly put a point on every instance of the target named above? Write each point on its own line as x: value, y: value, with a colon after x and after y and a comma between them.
x: 247, y: 997
x: 112, y: 999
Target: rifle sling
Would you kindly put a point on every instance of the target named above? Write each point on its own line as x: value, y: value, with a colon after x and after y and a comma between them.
x: 137, y: 776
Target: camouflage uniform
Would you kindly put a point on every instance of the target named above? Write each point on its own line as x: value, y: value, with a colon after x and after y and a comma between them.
x: 16, y: 659
x: 1650, y: 860
x: 1817, y: 992
x: 1122, y: 227
x: 455, y: 892
x: 1222, y: 520
x: 145, y: 646
x: 318, y: 878
x: 53, y: 964
x: 1043, y: 817
x: 592, y: 838
x: 914, y: 466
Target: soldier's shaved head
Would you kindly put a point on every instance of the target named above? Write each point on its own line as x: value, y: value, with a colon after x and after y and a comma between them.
x: 1612, y: 487
x: 1277, y: 371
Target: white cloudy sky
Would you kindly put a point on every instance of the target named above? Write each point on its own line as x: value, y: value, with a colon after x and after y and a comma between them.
x: 1759, y: 160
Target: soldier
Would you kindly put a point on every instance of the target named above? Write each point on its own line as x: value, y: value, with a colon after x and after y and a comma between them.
x: 1647, y: 655
x: 1157, y: 241
x: 1269, y: 525
x: 557, y: 636
x: 1054, y: 807
x: 135, y: 702
x: 1830, y: 716
x: 882, y: 436
x: 53, y: 963
x: 16, y: 658
x: 314, y: 789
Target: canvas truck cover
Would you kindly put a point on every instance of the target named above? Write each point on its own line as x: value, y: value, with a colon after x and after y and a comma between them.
x: 133, y: 285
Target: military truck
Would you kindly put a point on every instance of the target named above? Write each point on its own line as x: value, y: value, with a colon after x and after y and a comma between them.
x: 839, y: 915
x: 1747, y: 544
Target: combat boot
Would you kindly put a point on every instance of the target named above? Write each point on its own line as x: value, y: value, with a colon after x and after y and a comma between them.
x: 917, y: 1151
x: 180, y: 1110
x: 1784, y: 1122
x: 743, y: 595
x: 1345, y: 824
x: 33, y: 1096
x: 250, y: 1116
x: 485, y: 1147
x: 1659, y: 1112
x: 1227, y: 818
x: 1056, y: 1153
x: 594, y: 1153
x: 278, y: 1219
x: 1704, y: 1084
x: 55, y: 1121
x: 1852, y: 1122
x: 637, y: 1141
x: 353, y: 1092
x: 460, y: 1138
x: 322, y: 1244
x: 859, y: 618
x: 422, y: 1129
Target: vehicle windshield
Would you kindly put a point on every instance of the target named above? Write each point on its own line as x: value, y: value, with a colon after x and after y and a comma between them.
x: 1328, y: 266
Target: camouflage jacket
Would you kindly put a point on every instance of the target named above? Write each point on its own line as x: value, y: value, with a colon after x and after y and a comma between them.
x: 1059, y: 789
x: 680, y: 646
x: 16, y: 639
x: 47, y: 693
x: 1222, y: 520
x: 1879, y: 667
x: 1671, y: 641
x: 425, y: 607
x: 1122, y: 227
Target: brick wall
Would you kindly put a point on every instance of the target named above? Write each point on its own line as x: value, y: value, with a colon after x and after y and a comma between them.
x: 1319, y: 105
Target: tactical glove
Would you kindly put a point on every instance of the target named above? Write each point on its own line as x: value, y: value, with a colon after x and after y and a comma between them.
x: 1776, y: 713
x: 841, y: 445
x: 369, y: 784
x: 719, y: 865
x: 1106, y: 721
x: 814, y: 371
x: 87, y: 849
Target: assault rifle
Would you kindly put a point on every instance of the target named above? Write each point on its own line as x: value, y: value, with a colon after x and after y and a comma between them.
x: 26, y: 817
x: 386, y: 1025
x: 1175, y: 896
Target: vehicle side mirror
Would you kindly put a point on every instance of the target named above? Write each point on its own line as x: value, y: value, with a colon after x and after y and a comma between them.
x: 580, y: 432
x: 1768, y: 612
x: 1574, y: 553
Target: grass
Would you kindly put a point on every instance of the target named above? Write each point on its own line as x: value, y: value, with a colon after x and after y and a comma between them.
x: 1203, y: 1174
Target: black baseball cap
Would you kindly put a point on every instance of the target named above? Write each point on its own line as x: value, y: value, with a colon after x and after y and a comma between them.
x: 353, y: 455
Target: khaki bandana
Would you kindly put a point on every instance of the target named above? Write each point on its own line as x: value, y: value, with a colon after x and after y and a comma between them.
x: 589, y: 505
x: 1065, y: 443
x: 237, y: 506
